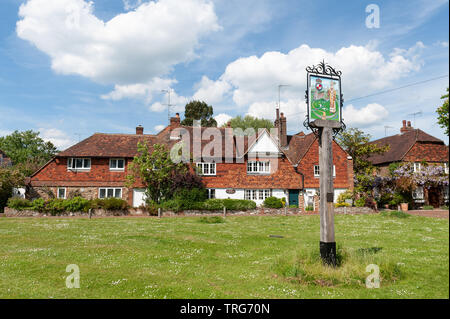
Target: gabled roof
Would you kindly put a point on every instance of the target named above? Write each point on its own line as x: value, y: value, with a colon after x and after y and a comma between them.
x: 400, y: 144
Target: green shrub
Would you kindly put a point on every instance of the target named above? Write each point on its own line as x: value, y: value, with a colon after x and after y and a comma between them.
x: 55, y: 206
x: 211, y: 220
x: 39, y: 205
x: 77, y: 204
x: 309, y: 208
x: 213, y: 204
x: 348, y: 194
x: 106, y: 204
x: 191, y: 195
x: 427, y: 207
x: 444, y: 207
x: 19, y: 203
x: 360, y: 202
x: 273, y: 202
x: 293, y: 206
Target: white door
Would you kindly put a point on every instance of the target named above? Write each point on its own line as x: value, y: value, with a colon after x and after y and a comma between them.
x: 138, y: 197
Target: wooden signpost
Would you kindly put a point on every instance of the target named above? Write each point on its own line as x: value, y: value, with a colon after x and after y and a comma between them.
x: 324, y: 118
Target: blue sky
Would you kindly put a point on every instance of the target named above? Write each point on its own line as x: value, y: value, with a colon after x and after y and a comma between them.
x: 69, y: 69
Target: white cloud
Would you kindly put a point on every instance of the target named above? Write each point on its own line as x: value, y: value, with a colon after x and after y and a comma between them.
x: 369, y: 115
x: 159, y: 128
x: 131, y: 4
x: 255, y: 79
x: 211, y: 91
x: 139, y: 90
x: 222, y: 118
x: 177, y: 102
x: 59, y: 138
x: 132, y: 47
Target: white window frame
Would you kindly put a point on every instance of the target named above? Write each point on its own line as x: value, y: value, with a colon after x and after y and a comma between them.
x: 72, y: 160
x: 114, y: 189
x: 418, y: 193
x: 446, y: 168
x: 317, y: 168
x: 417, y: 167
x: 258, y: 167
x: 116, y: 160
x: 65, y: 192
x: 211, y: 193
x: 257, y: 194
x: 206, y: 168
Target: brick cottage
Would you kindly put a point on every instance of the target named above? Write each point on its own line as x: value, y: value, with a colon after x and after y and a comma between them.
x: 266, y: 164
x: 415, y: 146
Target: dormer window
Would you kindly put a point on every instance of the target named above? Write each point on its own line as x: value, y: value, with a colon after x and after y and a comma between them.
x: 117, y: 164
x: 258, y: 167
x: 79, y: 164
x: 206, y: 168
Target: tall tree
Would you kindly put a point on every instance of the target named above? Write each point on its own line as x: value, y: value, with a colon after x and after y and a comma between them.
x: 443, y: 118
x: 27, y: 150
x: 199, y: 110
x: 250, y: 122
x: 356, y: 143
x: 160, y: 175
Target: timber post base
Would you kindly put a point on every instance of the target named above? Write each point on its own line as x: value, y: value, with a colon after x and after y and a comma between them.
x: 328, y: 253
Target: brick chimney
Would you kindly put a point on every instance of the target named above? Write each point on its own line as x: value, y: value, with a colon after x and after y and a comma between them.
x: 280, y: 124
x: 406, y: 127
x: 139, y: 130
x: 175, y: 121
x: 283, y: 131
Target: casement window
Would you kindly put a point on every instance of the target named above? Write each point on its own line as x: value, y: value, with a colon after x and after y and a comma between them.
x: 258, y: 167
x: 61, y: 192
x: 206, y: 168
x: 317, y: 171
x: 416, y: 167
x: 108, y: 192
x: 255, y: 194
x: 79, y: 163
x: 116, y: 164
x: 211, y: 193
x: 418, y: 193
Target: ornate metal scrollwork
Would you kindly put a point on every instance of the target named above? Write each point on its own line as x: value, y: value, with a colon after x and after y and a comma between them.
x: 323, y: 68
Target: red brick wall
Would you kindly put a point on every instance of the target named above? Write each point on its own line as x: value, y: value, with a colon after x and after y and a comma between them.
x: 344, y: 171
x: 56, y: 171
x: 428, y: 152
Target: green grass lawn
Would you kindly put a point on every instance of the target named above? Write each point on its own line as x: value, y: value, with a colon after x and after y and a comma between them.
x: 185, y: 258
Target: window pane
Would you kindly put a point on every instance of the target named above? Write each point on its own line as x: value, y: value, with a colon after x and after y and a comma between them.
x: 260, y: 166
x: 213, y: 168
x: 249, y: 166
x: 102, y: 193
x: 78, y: 163
x: 61, y: 192
x: 255, y: 166
x: 109, y: 192
x: 121, y: 163
x: 87, y: 163
x: 113, y: 163
x: 118, y: 193
x: 69, y: 163
x: 267, y: 166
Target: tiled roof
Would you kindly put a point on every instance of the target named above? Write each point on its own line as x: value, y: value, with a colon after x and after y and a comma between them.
x: 125, y: 145
x: 400, y: 144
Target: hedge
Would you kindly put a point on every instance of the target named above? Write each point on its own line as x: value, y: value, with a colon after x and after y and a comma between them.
x: 209, y: 204
x: 273, y: 202
x: 57, y: 206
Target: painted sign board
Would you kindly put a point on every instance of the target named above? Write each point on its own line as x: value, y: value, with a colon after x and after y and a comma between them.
x: 324, y: 92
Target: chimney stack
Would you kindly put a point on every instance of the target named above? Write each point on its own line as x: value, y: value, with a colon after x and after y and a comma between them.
x: 406, y: 127
x: 283, y: 130
x: 139, y: 130
x: 175, y: 121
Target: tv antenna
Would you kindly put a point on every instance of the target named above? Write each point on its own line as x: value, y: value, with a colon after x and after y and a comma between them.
x: 168, y: 91
x: 386, y: 127
x: 414, y: 117
x: 279, y: 89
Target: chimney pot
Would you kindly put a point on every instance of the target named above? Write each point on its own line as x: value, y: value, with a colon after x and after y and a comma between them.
x: 409, y: 123
x: 404, y: 123
x: 139, y: 130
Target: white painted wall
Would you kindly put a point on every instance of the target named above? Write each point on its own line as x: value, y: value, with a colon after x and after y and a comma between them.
x: 264, y: 144
x: 240, y: 194
x: 310, y: 192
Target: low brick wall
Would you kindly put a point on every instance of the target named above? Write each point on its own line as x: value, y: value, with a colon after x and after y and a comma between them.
x: 9, y: 212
